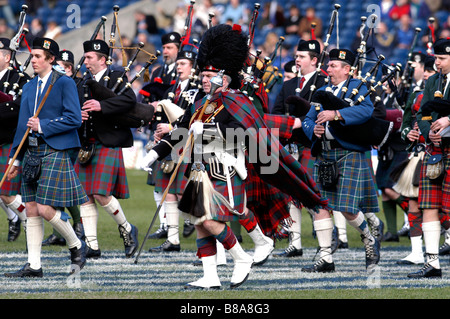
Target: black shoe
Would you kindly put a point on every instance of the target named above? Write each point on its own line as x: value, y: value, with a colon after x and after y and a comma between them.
x: 165, y: 247
x: 93, y: 253
x: 13, y: 229
x: 54, y: 240
x: 444, y: 249
x: 79, y: 230
x: 160, y: 233
x: 130, y: 240
x: 78, y: 258
x: 291, y: 251
x: 320, y: 266
x: 26, y: 271
x: 342, y: 245
x: 427, y: 271
x: 188, y: 229
x: 372, y: 252
x: 390, y: 237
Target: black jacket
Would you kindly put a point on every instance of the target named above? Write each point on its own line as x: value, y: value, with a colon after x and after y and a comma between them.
x: 9, y: 111
x: 99, y: 125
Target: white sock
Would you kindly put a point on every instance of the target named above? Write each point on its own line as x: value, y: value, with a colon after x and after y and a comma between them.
x: 162, y: 212
x: 9, y: 212
x: 35, y: 235
x: 341, y: 224
x: 372, y: 217
x: 89, y: 218
x: 431, y: 236
x: 296, y: 227
x: 114, y: 209
x: 416, y: 245
x: 172, y: 218
x: 18, y: 207
x: 360, y: 224
x: 324, y: 233
x: 66, y: 230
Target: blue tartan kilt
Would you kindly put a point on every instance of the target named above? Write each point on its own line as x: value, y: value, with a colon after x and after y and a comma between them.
x: 355, y: 190
x: 12, y: 187
x: 58, y: 184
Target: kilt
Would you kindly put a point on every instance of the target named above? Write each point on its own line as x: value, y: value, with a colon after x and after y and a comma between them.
x: 355, y: 190
x: 105, y: 174
x: 162, y: 179
x: 306, y: 158
x: 435, y: 194
x: 385, y: 168
x: 222, y: 213
x: 12, y: 187
x: 269, y: 204
x: 58, y: 184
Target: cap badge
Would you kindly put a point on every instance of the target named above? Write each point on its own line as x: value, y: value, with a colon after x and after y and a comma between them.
x: 46, y: 44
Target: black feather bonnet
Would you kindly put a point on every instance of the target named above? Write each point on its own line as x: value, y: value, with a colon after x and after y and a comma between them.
x: 223, y: 47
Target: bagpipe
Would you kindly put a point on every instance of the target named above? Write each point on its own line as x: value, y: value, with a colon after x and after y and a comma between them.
x: 9, y: 91
x: 324, y: 53
x: 437, y: 105
x: 374, y: 131
x: 407, y: 77
x: 100, y: 24
x: 139, y: 114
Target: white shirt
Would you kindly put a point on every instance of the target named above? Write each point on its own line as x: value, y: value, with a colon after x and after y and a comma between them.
x: 99, y: 75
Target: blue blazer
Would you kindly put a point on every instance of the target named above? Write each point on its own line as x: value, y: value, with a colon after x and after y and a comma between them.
x: 60, y: 117
x: 354, y: 115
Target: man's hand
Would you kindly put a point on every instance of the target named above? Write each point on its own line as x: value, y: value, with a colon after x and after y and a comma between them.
x: 297, y: 123
x: 319, y: 130
x: 325, y: 116
x: 434, y: 137
x: 91, y: 105
x: 33, y: 124
x: 12, y: 173
x: 440, y: 124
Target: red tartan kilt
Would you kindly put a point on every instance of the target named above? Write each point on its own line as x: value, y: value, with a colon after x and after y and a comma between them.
x: 105, y: 174
x: 12, y: 187
x: 435, y: 195
x: 269, y: 205
x: 162, y: 179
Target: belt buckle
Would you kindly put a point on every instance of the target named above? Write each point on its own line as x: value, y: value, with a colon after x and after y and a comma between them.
x: 326, y: 145
x: 33, y: 141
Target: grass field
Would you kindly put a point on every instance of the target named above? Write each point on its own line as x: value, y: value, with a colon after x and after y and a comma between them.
x: 162, y: 276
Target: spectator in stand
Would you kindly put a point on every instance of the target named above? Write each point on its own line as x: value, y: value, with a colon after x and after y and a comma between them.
x: 53, y: 31
x: 386, y: 6
x: 5, y: 30
x: 399, y: 9
x: 384, y: 41
x: 307, y: 20
x: 36, y: 29
x: 405, y: 33
x: 235, y: 11
x: 420, y: 10
x: 293, y: 20
x: 145, y: 23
